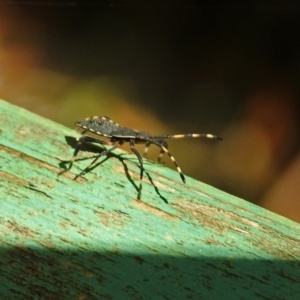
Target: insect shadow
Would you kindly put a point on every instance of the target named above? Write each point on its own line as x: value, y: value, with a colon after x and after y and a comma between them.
x: 72, y: 142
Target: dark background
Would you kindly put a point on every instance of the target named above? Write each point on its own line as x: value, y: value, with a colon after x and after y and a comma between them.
x: 171, y: 67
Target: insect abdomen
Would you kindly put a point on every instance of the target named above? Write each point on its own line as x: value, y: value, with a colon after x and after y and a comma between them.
x: 99, y: 125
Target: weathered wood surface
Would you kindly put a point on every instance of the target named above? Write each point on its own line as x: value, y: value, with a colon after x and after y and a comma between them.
x: 93, y: 239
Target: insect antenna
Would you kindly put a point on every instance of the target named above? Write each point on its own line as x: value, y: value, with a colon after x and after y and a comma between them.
x: 160, y: 141
x: 188, y: 135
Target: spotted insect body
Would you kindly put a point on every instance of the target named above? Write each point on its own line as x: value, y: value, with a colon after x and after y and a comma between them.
x: 118, y: 135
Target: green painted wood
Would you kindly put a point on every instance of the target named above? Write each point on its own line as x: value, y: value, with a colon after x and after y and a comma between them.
x: 93, y: 239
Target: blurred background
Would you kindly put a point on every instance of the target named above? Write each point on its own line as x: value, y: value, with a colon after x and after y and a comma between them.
x: 171, y: 67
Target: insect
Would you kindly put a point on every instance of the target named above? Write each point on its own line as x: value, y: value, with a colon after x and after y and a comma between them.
x: 118, y: 135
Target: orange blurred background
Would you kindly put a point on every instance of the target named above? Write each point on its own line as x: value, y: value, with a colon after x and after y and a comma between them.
x: 227, y: 70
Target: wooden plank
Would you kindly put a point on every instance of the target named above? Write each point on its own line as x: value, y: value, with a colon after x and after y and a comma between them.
x: 93, y: 239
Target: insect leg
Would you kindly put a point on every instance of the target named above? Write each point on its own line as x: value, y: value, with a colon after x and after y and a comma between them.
x: 165, y: 150
x: 85, y: 170
x: 80, y: 141
x: 138, y: 155
x: 146, y: 149
x: 162, y: 152
x: 159, y: 158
